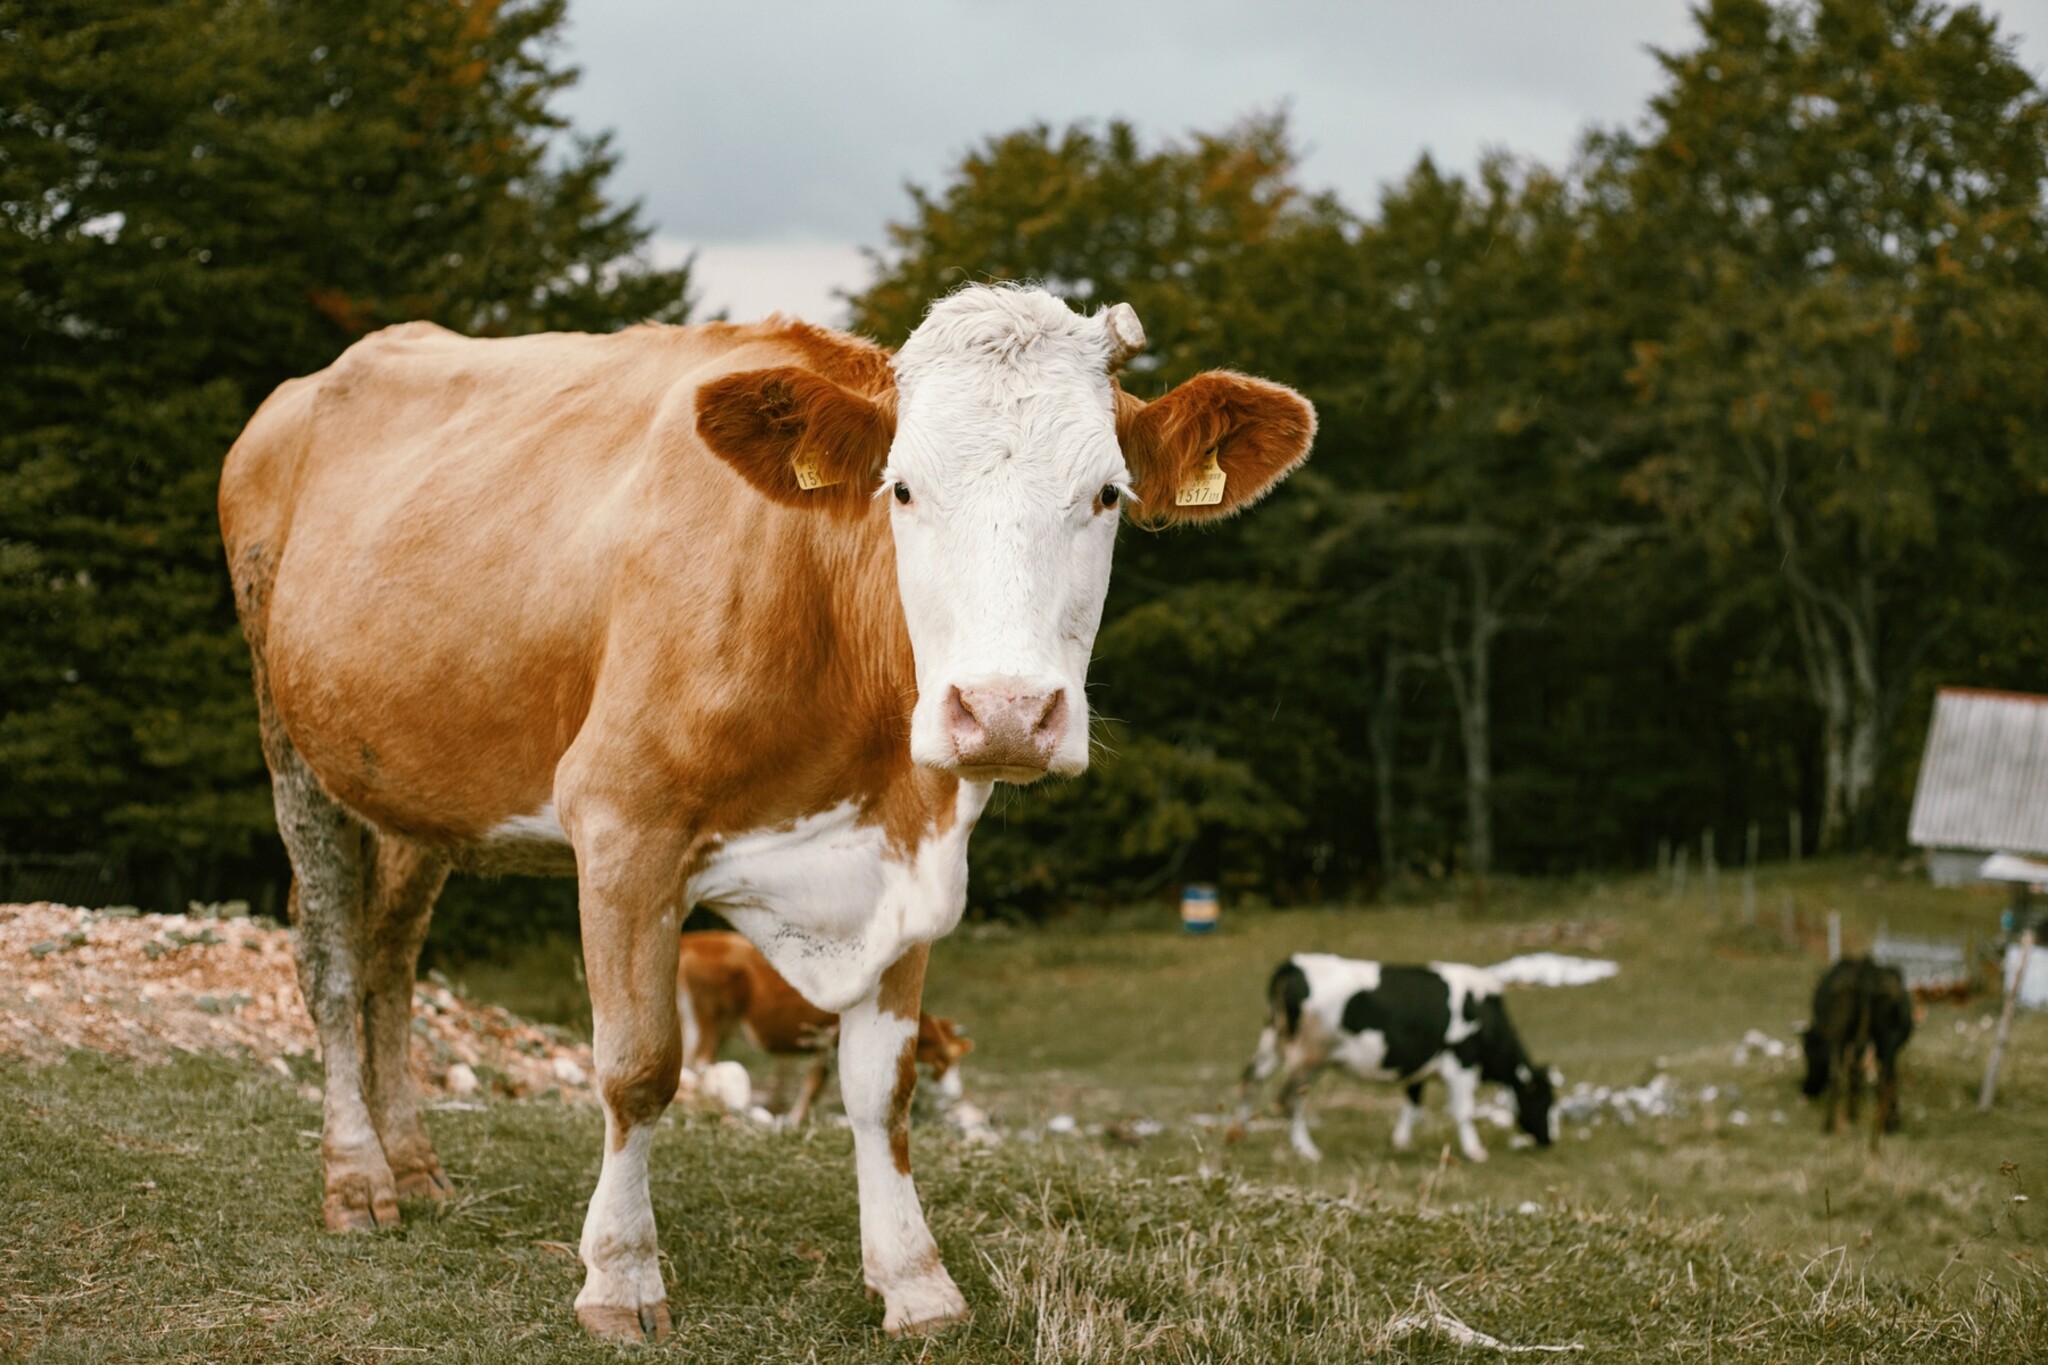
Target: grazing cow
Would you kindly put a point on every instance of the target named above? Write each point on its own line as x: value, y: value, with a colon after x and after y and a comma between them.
x: 750, y: 617
x: 1395, y: 1023
x: 723, y: 983
x: 1860, y: 1011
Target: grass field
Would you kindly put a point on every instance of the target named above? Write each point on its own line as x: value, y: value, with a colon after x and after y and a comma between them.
x: 173, y: 1213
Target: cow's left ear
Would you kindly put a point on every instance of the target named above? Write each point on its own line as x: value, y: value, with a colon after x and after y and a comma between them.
x: 797, y: 436
x: 1212, y: 446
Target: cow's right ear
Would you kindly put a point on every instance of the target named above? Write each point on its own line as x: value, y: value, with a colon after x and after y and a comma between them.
x: 797, y: 436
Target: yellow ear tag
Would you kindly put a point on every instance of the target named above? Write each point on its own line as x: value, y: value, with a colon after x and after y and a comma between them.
x: 1205, y: 489
x: 808, y: 475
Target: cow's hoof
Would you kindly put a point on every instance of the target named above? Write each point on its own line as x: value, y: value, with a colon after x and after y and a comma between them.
x: 647, y: 1325
x: 426, y: 1182
x: 929, y: 1308
x: 360, y: 1203
x: 926, y: 1327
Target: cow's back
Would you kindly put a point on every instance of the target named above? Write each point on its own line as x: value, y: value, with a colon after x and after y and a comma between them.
x: 428, y: 539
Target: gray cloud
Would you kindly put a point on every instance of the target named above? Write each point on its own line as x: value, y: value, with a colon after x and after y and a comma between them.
x: 798, y: 121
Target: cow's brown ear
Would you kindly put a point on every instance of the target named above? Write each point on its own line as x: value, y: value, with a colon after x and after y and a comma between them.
x: 797, y: 436
x: 1212, y: 446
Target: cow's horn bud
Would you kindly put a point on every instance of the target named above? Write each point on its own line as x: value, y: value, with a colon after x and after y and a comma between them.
x: 1126, y: 335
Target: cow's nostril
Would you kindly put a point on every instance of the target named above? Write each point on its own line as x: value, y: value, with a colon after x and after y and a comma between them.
x: 1052, y: 716
x: 960, y: 714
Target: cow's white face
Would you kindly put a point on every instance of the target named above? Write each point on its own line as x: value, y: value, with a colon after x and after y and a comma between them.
x: 1005, y: 484
x: 1006, y: 457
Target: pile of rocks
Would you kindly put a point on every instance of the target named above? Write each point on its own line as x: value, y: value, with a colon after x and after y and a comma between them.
x: 152, y: 986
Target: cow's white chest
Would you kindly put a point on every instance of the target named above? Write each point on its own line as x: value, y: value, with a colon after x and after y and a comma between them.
x: 828, y: 901
x: 823, y: 872
x: 824, y: 897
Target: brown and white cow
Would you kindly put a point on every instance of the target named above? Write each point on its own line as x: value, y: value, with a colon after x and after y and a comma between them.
x: 724, y: 985
x: 742, y: 616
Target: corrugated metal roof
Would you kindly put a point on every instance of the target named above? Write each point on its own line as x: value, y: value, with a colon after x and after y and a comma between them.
x: 1984, y: 777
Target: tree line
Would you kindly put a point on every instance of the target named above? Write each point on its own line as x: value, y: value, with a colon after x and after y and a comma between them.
x: 1654, y: 491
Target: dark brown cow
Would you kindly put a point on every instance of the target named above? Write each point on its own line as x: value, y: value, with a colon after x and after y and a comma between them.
x: 1862, y: 1014
x: 748, y: 617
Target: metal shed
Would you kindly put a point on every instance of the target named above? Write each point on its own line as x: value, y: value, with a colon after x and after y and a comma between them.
x: 1983, y: 781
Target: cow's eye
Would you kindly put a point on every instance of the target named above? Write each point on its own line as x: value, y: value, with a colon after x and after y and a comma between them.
x: 903, y: 493
x: 1107, y: 497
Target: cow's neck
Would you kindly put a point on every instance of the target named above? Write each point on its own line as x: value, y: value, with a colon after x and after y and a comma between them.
x: 871, y: 675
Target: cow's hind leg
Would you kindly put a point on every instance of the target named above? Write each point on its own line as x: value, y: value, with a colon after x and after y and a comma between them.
x: 877, y: 1080
x: 628, y: 884
x: 1404, y: 1127
x: 1840, y: 1062
x: 329, y: 849
x: 404, y: 881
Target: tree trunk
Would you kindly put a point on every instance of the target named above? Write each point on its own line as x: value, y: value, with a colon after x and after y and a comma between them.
x: 1837, y: 643
x: 1471, y: 689
x: 1382, y: 733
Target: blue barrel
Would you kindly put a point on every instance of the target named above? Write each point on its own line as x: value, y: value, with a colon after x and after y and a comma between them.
x: 1198, y: 908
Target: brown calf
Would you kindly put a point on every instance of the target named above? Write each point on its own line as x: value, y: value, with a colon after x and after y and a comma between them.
x: 723, y: 983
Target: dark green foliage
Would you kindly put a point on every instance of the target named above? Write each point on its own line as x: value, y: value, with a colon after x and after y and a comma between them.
x: 1649, y: 497
x: 1652, y: 494
x: 201, y: 200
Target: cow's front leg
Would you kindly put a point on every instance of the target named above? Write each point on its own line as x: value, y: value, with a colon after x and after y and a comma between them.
x: 1463, y: 1083
x: 814, y: 1081
x: 628, y: 885
x: 1293, y: 1096
x: 877, y: 1077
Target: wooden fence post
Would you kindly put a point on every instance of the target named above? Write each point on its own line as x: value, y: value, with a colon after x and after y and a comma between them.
x: 1713, y: 871
x: 1792, y: 832
x: 2012, y: 1000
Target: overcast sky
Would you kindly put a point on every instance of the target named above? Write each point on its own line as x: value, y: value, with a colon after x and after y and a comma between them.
x: 774, y: 137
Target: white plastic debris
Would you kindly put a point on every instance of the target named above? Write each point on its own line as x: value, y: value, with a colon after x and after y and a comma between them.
x: 1756, y: 1040
x: 971, y: 1122
x: 1658, y: 1098
x: 462, y: 1081
x: 1553, y: 969
x: 1063, y: 1124
x: 1427, y: 1316
x: 728, y: 1084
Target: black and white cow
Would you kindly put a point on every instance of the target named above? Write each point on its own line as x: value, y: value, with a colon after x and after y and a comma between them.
x: 1396, y: 1023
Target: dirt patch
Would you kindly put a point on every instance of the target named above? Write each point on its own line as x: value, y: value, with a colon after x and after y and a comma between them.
x: 151, y: 986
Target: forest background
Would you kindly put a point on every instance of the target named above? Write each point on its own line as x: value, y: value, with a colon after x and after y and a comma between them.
x: 1655, y: 492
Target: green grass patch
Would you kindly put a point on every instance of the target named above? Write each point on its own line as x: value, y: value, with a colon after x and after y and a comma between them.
x: 172, y: 1213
